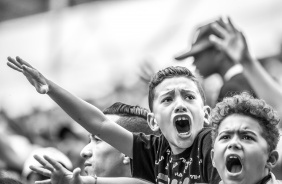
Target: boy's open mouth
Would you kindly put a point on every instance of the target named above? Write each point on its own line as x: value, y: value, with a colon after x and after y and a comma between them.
x: 182, y: 125
x: 233, y: 164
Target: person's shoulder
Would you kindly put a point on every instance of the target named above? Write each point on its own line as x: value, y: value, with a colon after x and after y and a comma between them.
x: 206, y: 131
x: 150, y: 139
x: 273, y: 180
x: 147, y: 136
x: 204, y: 138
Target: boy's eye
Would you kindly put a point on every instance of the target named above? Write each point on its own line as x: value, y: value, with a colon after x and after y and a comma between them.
x: 247, y: 137
x: 224, y: 137
x: 190, y: 97
x: 168, y: 99
x: 95, y: 138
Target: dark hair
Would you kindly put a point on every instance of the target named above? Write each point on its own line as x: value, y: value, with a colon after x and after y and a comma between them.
x: 6, y: 180
x: 132, y: 118
x: 170, y: 72
x: 246, y: 104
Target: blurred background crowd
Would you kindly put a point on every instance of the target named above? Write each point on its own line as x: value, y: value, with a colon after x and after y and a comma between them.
x: 105, y: 51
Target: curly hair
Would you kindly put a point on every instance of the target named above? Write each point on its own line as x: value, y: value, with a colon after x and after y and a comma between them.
x: 246, y: 104
x: 170, y: 72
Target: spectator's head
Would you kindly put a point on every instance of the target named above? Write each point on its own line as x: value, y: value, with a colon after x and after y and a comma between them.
x: 207, y: 58
x: 177, y: 104
x: 245, y: 136
x: 103, y: 160
x: 32, y: 176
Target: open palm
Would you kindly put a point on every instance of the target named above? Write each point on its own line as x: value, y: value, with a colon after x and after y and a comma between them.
x: 57, y: 173
x: 33, y: 76
x: 232, y: 41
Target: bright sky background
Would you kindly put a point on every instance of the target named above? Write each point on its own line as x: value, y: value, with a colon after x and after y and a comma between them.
x: 90, y: 47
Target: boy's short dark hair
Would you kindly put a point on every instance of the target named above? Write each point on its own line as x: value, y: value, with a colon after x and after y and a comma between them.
x: 132, y: 118
x: 246, y: 104
x: 170, y: 72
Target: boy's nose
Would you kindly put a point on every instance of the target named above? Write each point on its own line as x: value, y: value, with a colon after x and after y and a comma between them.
x: 85, y: 152
x: 180, y: 108
x: 234, y: 144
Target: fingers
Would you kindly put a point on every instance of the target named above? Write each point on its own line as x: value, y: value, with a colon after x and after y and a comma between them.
x: 12, y: 63
x: 41, y: 170
x: 27, y: 69
x: 216, y: 41
x: 22, y: 62
x: 221, y: 22
x: 48, y: 181
x: 76, y: 172
x: 43, y: 162
x: 54, y: 163
x: 221, y: 31
x: 232, y: 25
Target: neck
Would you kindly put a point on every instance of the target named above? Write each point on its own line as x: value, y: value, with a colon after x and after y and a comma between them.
x: 175, y: 150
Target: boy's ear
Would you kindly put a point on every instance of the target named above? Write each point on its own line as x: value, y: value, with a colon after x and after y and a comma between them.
x: 152, y: 122
x: 126, y: 160
x: 272, y: 159
x: 212, y: 156
x: 207, y: 111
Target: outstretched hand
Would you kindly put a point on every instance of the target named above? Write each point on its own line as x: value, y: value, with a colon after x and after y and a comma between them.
x: 57, y: 173
x: 33, y: 76
x: 232, y: 41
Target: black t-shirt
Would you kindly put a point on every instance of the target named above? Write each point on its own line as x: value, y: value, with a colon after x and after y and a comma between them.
x: 153, y: 161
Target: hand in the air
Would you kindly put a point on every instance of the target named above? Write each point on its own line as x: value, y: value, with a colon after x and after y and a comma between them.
x: 232, y: 41
x: 33, y: 76
x: 57, y: 172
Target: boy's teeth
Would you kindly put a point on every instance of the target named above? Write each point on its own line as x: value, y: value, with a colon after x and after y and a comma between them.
x: 182, y: 125
x: 181, y: 118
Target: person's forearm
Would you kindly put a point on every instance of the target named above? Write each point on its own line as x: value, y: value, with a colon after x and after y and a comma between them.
x: 87, y: 115
x: 92, y: 119
x: 263, y: 84
x: 120, y: 180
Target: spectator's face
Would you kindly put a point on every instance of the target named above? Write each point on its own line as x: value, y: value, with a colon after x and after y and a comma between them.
x: 179, y: 111
x: 103, y: 160
x: 240, y: 152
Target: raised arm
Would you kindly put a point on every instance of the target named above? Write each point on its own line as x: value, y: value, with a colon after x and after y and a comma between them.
x: 87, y: 115
x: 234, y: 44
x: 60, y: 175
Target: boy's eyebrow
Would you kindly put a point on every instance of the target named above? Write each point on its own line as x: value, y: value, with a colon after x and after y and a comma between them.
x: 188, y: 91
x: 239, y: 131
x: 170, y: 92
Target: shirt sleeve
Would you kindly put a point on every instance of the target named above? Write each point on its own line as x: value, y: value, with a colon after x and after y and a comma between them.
x: 144, y: 153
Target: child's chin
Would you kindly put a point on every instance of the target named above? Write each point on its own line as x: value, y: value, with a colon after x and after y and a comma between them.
x: 185, y: 135
x: 234, y: 177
